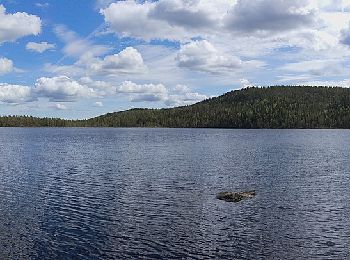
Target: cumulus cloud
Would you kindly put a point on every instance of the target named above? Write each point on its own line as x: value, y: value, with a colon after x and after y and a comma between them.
x: 295, y: 41
x: 128, y: 61
x: 39, y: 46
x: 142, y: 92
x: 17, y: 25
x: 229, y: 38
x: 60, y: 106
x: 62, y: 88
x: 103, y: 88
x: 334, y: 5
x: 14, y: 94
x: 6, y: 66
x: 152, y: 97
x: 56, y: 89
x: 270, y: 16
x: 314, y: 41
x: 125, y: 18
x: 166, y: 19
x: 245, y: 83
x: 182, y: 20
x: 182, y: 13
x: 180, y: 95
x: 345, y: 36
x: 131, y: 87
x: 203, y: 56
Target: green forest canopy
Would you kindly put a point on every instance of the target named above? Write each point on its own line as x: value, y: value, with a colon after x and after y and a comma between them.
x: 265, y: 107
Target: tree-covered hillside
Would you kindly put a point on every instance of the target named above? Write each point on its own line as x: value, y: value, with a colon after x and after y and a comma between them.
x: 270, y: 107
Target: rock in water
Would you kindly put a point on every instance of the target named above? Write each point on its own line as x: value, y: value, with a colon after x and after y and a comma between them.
x: 235, y: 196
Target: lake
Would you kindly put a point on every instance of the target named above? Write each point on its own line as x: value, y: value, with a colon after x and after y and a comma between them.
x: 105, y: 193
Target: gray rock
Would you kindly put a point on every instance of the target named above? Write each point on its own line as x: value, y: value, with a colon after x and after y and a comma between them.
x: 235, y: 196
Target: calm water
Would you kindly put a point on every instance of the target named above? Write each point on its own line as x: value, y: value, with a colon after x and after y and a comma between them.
x: 150, y: 193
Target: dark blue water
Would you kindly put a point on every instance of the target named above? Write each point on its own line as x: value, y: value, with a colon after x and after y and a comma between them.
x: 150, y: 193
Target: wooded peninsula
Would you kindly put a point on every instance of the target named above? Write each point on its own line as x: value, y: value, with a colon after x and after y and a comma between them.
x: 253, y: 107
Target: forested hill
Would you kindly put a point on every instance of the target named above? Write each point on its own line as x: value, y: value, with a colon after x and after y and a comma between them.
x: 269, y: 107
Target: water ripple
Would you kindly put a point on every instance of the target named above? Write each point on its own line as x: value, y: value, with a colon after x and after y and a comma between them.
x: 150, y: 193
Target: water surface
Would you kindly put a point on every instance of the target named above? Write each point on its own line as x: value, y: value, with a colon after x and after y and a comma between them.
x: 89, y: 193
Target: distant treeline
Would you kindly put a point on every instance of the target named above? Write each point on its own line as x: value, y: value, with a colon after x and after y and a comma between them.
x: 268, y: 107
x: 29, y: 121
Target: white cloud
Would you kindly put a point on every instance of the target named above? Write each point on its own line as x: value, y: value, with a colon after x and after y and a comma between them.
x: 245, y: 83
x: 270, y: 16
x: 203, y: 56
x: 103, y: 88
x: 182, y: 20
x: 218, y: 44
x: 39, y: 47
x: 166, y: 19
x: 293, y: 78
x: 128, y: 61
x: 60, y: 106
x: 17, y: 25
x: 182, y: 89
x: 42, y: 5
x: 186, y: 14
x: 129, y: 19
x: 6, y: 66
x: 142, y: 92
x: 103, y: 3
x: 314, y: 40
x: 98, y: 104
x: 77, y: 46
x: 328, y: 67
x: 62, y: 88
x: 14, y: 94
x: 151, y: 97
x: 226, y: 39
x: 333, y: 5
x: 131, y: 87
x: 345, y: 36
x: 180, y: 95
x: 345, y: 83
x: 282, y: 23
x: 66, y: 70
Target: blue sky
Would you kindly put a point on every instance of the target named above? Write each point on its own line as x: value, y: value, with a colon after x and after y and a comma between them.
x: 78, y: 59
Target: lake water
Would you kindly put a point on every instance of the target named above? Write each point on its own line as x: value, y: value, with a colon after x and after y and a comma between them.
x: 87, y: 193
